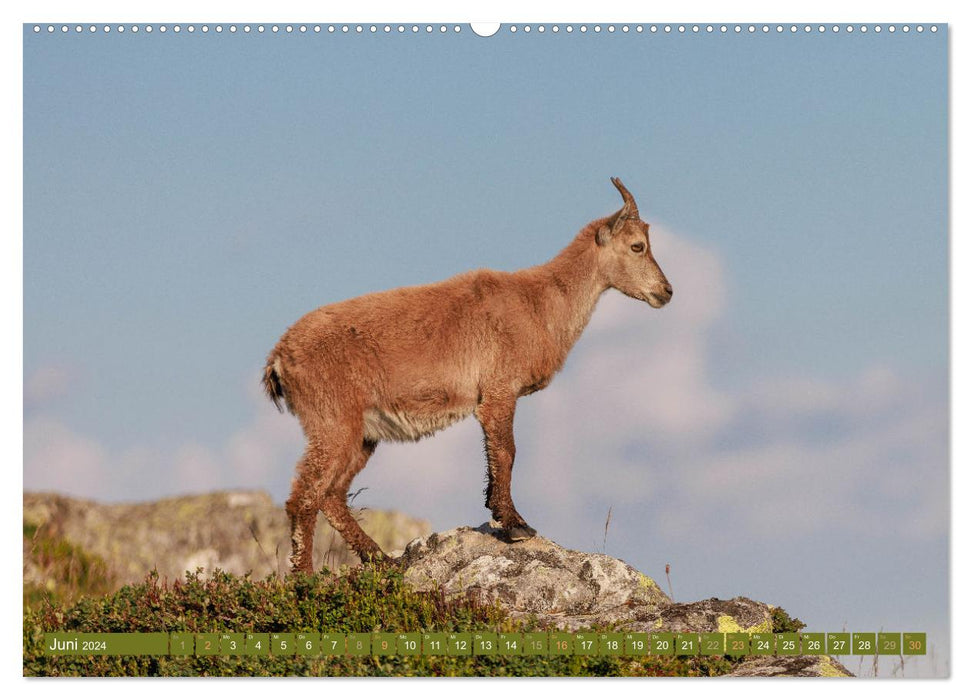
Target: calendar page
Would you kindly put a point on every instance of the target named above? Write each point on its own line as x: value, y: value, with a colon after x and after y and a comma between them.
x: 515, y: 349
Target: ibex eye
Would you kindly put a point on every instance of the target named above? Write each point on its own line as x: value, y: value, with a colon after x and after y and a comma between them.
x: 638, y: 247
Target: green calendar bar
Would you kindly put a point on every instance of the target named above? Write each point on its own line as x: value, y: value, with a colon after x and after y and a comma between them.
x: 231, y: 644
x: 182, y: 644
x: 309, y: 644
x: 787, y: 643
x: 257, y: 644
x: 536, y: 644
x: 713, y: 643
x: 409, y: 644
x: 662, y: 643
x: 511, y: 644
x: 460, y: 644
x: 106, y: 644
x: 686, y: 644
x: 864, y: 643
x: 484, y: 643
x: 434, y: 644
x: 813, y: 642
x: 612, y: 644
x: 586, y: 644
x: 737, y: 644
x: 561, y: 644
x: 761, y: 643
x: 915, y: 643
x: 207, y: 644
x: 358, y: 643
x: 889, y: 643
x: 283, y: 644
x: 384, y: 643
x: 637, y: 644
x: 838, y: 643
x: 331, y: 645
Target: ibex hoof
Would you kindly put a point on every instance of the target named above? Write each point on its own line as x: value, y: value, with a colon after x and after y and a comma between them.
x: 518, y: 533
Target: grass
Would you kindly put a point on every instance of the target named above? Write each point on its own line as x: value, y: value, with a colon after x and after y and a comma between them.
x: 367, y: 599
x: 63, y: 571
x: 72, y: 590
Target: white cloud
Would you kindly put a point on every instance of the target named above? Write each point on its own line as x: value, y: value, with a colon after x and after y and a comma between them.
x: 56, y: 458
x: 196, y: 468
x: 59, y: 459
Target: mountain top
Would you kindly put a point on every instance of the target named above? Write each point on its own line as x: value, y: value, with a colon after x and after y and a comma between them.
x: 539, y: 580
x: 243, y: 532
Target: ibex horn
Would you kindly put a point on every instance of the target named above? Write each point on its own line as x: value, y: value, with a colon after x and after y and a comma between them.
x: 628, y: 197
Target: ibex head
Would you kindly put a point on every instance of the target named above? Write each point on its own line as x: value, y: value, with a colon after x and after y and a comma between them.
x: 626, y: 259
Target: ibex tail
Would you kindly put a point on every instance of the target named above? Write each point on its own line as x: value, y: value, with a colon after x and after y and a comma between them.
x: 273, y: 386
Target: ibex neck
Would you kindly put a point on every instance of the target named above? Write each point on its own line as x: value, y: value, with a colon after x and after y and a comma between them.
x: 575, y: 285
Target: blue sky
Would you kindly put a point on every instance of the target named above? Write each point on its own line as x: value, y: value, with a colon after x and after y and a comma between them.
x: 783, y: 423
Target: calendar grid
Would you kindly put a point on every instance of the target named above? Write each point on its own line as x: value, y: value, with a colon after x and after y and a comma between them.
x: 485, y: 644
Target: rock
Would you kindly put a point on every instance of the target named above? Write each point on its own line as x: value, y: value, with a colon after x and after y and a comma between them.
x: 792, y: 666
x: 568, y: 590
x: 535, y: 577
x: 714, y: 615
x: 235, y: 531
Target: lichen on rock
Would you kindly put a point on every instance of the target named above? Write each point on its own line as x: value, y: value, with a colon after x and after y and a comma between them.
x: 727, y: 623
x: 535, y: 577
x: 569, y: 590
x: 790, y: 666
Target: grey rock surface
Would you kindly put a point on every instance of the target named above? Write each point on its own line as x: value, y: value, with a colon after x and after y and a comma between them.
x: 534, y: 577
x: 569, y: 590
x: 791, y: 667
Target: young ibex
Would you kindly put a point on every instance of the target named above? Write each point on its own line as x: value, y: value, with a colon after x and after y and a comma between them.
x: 403, y: 364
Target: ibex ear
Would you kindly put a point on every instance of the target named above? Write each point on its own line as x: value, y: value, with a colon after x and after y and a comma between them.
x: 612, y: 225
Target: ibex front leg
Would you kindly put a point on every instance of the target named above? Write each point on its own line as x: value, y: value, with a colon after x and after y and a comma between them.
x: 495, y: 413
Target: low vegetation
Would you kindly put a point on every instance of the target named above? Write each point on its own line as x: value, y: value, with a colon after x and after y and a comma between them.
x: 69, y: 589
x: 60, y: 571
x: 365, y: 599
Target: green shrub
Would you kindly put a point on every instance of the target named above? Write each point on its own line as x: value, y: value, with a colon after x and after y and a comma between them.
x: 781, y: 622
x: 367, y: 599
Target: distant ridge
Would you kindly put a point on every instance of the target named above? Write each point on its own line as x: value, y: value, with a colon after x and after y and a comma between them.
x: 235, y: 531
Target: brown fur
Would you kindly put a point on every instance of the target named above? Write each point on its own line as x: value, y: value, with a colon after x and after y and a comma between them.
x: 403, y: 364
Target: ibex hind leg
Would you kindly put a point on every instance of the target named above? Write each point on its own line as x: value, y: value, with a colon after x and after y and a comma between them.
x: 334, y: 504
x: 302, y: 507
x: 323, y: 477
